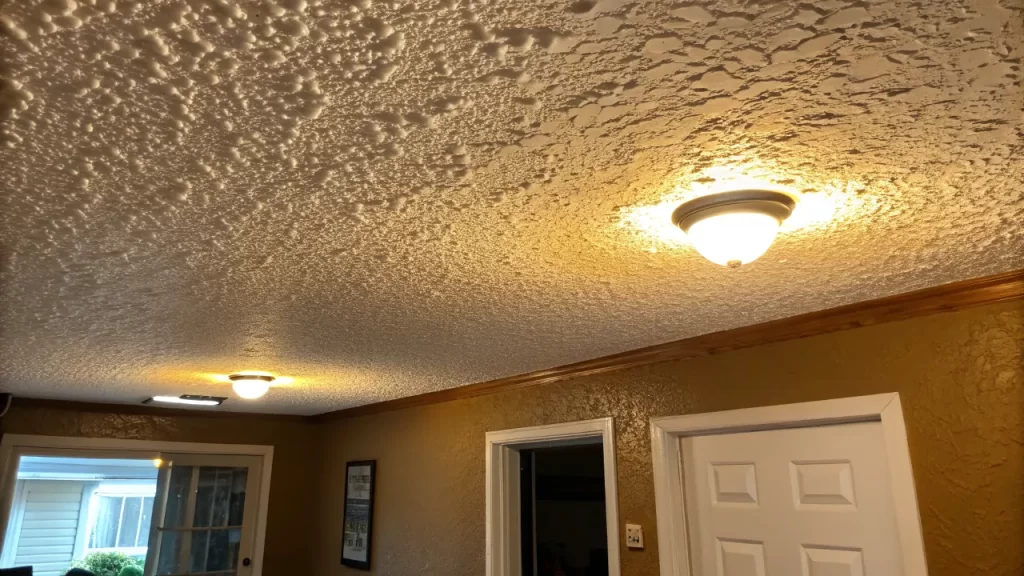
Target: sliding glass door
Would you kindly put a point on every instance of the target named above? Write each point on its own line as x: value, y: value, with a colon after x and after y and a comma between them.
x: 204, y: 516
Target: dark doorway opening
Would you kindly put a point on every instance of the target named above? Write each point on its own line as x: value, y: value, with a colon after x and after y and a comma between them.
x: 564, y: 530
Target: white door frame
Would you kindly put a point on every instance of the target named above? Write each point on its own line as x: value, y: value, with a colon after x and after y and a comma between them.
x: 13, y: 446
x: 502, y: 492
x: 673, y: 547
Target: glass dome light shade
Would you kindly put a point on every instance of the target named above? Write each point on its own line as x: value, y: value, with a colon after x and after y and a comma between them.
x: 734, y: 228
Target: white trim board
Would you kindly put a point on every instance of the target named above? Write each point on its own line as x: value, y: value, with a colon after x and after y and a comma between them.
x: 13, y: 446
x: 13, y: 535
x: 673, y: 547
x: 502, y: 489
x: 82, y: 535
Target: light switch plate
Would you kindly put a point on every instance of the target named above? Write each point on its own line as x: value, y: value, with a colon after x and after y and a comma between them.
x: 634, y: 536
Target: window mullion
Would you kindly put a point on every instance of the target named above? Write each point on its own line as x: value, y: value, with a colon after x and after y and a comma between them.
x: 120, y: 520
x: 138, y: 525
x: 190, y: 517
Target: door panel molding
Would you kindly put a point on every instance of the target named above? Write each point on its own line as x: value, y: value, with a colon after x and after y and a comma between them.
x: 13, y: 446
x: 673, y: 545
x: 502, y: 489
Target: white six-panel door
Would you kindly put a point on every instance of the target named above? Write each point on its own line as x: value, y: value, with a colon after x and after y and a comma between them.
x: 813, y: 501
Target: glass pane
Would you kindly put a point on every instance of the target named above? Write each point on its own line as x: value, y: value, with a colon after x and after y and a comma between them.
x: 239, y: 476
x: 224, y: 549
x: 215, y: 550
x: 144, y: 523
x: 199, y: 551
x: 216, y: 496
x: 130, y: 522
x: 170, y: 550
x: 177, y: 497
x: 108, y: 516
x: 204, y: 496
x: 221, y: 497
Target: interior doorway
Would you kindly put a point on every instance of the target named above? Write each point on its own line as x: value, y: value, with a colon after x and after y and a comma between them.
x: 159, y: 508
x: 552, y: 505
x: 563, y: 511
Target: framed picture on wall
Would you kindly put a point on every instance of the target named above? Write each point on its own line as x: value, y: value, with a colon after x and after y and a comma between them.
x: 358, y: 522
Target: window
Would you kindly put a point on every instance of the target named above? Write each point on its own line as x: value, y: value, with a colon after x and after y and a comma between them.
x: 119, y: 518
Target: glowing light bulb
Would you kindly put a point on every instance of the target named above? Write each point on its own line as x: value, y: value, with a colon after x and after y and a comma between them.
x: 250, y: 386
x: 733, y: 228
x: 733, y: 238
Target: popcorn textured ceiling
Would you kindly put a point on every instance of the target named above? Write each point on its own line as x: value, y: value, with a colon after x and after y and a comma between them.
x: 379, y: 199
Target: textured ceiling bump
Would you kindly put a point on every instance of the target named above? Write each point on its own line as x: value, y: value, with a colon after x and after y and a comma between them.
x: 380, y: 199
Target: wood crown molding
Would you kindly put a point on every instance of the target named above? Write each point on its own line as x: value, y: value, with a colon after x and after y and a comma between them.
x: 944, y: 298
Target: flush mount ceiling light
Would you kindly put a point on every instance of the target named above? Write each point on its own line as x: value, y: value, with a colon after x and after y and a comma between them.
x: 250, y: 386
x: 734, y: 228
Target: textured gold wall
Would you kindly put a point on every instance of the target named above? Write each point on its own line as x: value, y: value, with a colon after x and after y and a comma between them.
x: 960, y: 377
x: 288, y: 518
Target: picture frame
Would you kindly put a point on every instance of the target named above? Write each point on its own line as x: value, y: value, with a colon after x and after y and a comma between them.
x: 357, y: 521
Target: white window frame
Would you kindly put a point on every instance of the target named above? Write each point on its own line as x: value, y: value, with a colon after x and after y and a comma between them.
x: 502, y: 491
x: 673, y: 547
x: 83, y: 519
x: 14, y: 446
x: 122, y: 489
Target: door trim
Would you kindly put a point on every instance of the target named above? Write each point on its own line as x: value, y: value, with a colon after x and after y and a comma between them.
x: 12, y: 446
x: 502, y: 489
x: 673, y: 547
